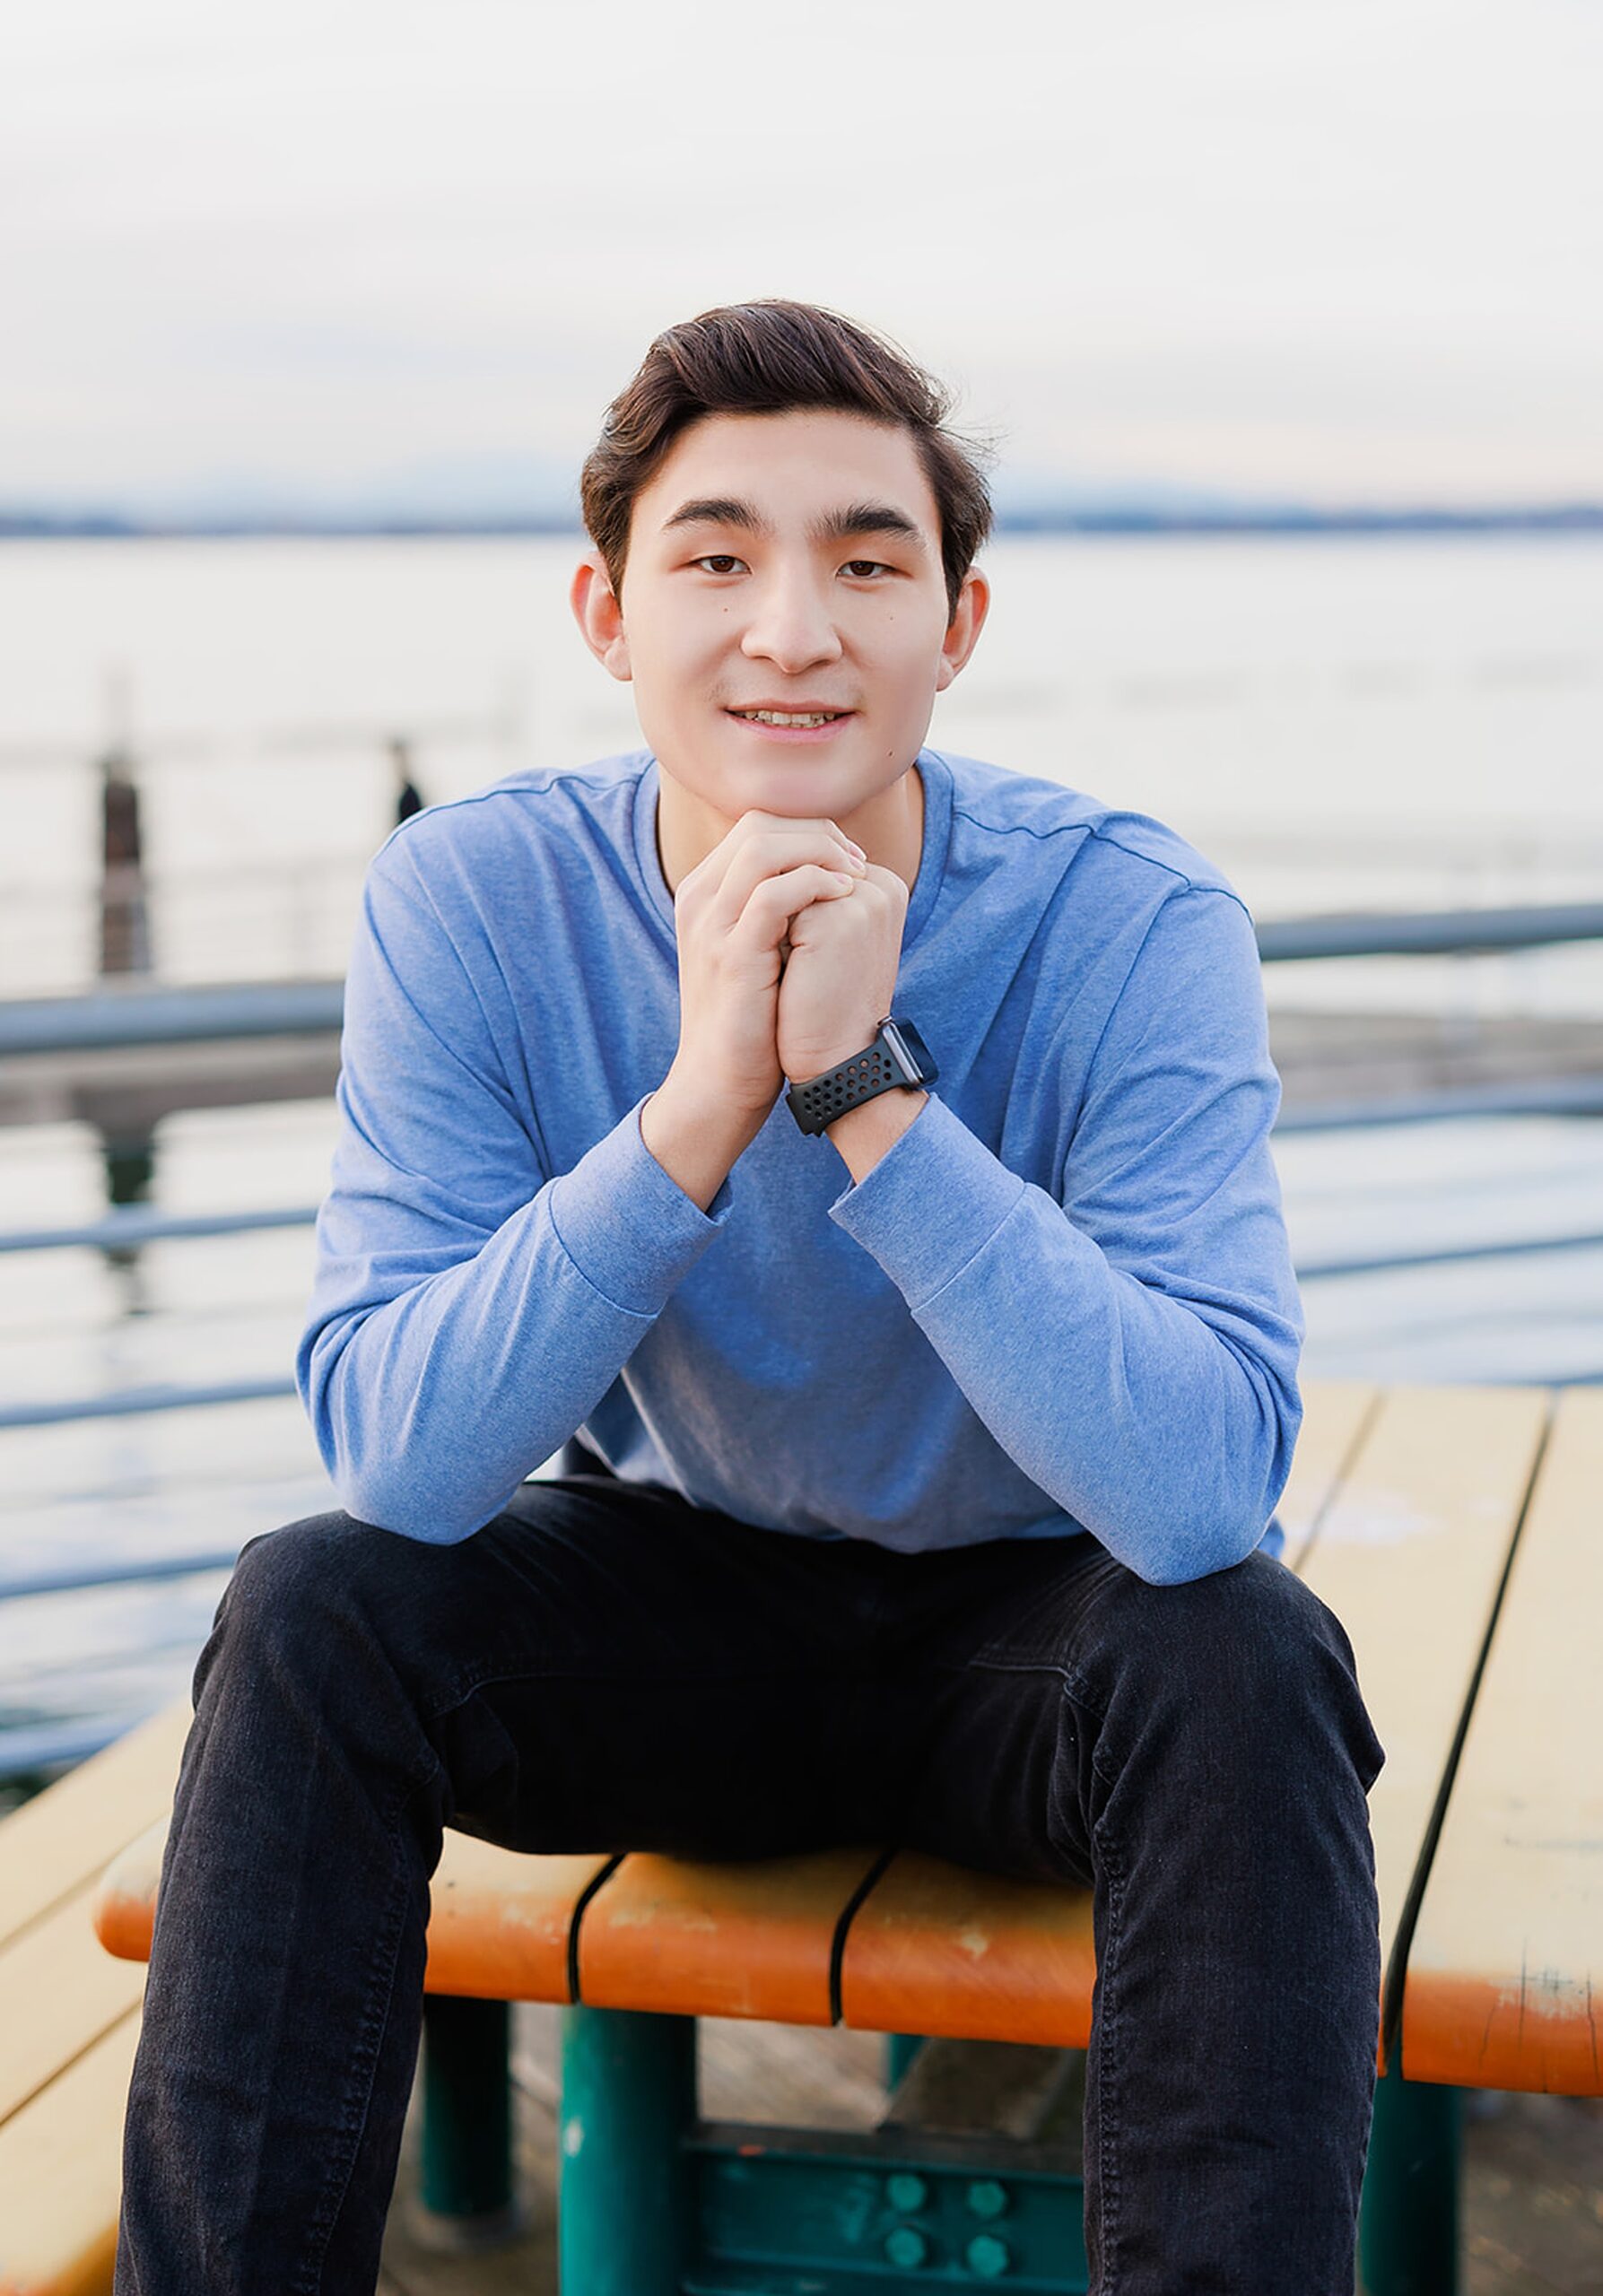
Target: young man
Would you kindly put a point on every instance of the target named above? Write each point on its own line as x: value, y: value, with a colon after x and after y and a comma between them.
x: 865, y: 1152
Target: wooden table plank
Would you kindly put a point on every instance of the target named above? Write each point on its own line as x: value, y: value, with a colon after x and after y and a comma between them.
x: 720, y: 1939
x: 1432, y: 1499
x: 58, y: 1994
x: 61, y: 2174
x: 63, y: 1838
x: 1504, y: 1983
x: 1335, y: 1415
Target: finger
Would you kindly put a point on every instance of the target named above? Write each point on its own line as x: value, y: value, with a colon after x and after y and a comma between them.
x: 755, y: 825
x: 768, y: 856
x: 764, y: 921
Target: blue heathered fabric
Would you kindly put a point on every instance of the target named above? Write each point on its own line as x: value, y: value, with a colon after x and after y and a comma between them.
x: 1062, y: 1301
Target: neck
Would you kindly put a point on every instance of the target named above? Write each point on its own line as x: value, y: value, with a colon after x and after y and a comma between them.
x: 889, y: 827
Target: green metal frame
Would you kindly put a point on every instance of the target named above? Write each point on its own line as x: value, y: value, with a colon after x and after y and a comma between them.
x: 1408, y: 2234
x: 467, y: 2167
x: 655, y: 2202
x: 901, y: 2048
x: 624, y: 2199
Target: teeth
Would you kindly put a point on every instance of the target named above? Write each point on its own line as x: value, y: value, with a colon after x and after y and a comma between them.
x: 790, y: 717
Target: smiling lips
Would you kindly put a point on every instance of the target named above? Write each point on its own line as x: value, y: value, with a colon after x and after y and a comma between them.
x: 771, y: 714
x: 791, y: 725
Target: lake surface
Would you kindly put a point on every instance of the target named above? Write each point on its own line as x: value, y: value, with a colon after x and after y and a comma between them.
x: 1341, y: 723
x: 1334, y: 720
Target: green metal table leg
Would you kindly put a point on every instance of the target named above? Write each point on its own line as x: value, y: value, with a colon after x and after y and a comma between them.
x: 1409, y: 2224
x: 624, y: 2204
x: 901, y: 2048
x: 466, y: 2169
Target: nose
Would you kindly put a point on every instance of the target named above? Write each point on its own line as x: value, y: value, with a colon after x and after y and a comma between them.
x: 791, y: 625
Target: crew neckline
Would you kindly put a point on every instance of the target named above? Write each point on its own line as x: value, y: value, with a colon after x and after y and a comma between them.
x: 934, y: 772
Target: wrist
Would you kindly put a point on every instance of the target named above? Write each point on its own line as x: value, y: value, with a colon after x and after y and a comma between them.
x: 696, y: 1140
x: 865, y: 1133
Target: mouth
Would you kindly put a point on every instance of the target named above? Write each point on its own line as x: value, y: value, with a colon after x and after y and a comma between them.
x: 790, y: 728
x: 788, y: 717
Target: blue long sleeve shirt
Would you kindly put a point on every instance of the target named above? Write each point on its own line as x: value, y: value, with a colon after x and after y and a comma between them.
x: 1061, y: 1302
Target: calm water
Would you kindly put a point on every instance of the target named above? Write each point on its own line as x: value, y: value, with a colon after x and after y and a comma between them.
x: 1333, y: 720
x: 1343, y: 723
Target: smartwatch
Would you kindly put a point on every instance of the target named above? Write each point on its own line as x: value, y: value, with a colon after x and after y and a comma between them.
x: 898, y: 1056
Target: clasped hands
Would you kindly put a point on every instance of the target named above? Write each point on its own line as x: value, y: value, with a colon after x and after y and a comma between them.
x: 790, y: 943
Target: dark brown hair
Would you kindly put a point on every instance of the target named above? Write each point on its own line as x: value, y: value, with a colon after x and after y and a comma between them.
x: 772, y: 356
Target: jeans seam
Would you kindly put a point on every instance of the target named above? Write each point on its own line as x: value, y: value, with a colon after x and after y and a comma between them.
x: 1112, y: 1866
x: 359, y: 2093
x: 1108, y: 2081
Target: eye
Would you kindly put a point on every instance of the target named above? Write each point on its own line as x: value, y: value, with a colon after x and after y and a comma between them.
x: 863, y: 567
x: 719, y: 561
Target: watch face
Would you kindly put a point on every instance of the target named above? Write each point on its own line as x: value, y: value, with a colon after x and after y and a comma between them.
x: 911, y: 1047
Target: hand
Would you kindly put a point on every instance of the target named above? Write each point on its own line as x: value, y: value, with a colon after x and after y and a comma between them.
x: 734, y: 919
x: 840, y: 978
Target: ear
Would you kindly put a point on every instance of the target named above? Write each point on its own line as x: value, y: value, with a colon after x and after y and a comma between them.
x: 962, y: 633
x: 599, y: 616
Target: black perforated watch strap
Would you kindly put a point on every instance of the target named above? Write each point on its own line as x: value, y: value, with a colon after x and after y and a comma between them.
x: 821, y: 1100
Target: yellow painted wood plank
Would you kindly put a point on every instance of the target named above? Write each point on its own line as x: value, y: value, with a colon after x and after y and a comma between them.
x: 58, y: 1992
x: 1504, y: 1984
x: 1409, y: 1556
x: 54, y: 1843
x: 61, y: 2175
x: 1335, y: 1414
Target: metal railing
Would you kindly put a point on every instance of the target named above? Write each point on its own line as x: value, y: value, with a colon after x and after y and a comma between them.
x: 146, y: 1016
x: 109, y: 1019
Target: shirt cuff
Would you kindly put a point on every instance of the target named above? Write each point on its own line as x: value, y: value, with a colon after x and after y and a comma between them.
x: 933, y: 1199
x: 629, y: 1230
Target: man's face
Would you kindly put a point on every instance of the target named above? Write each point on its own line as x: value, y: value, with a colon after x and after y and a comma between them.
x: 787, y: 562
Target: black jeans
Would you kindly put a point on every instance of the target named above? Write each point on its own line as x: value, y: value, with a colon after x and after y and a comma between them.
x: 606, y: 1667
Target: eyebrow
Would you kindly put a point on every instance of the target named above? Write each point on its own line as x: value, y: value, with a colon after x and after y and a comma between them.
x: 852, y: 520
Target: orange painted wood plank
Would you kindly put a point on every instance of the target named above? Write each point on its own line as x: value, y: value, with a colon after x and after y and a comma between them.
x: 1409, y: 1555
x: 1504, y: 1983
x: 720, y: 1939
x: 936, y: 1948
x: 499, y: 1922
x: 123, y: 1904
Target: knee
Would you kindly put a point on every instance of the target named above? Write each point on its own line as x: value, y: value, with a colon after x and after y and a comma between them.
x: 298, y: 1596
x: 1250, y: 1656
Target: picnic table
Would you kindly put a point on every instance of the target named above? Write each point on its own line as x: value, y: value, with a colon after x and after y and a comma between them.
x: 1454, y: 1532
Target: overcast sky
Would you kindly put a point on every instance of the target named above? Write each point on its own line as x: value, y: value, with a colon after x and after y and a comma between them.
x: 1347, y: 251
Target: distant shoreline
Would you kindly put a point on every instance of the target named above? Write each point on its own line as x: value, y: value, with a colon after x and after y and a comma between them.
x: 1562, y: 518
